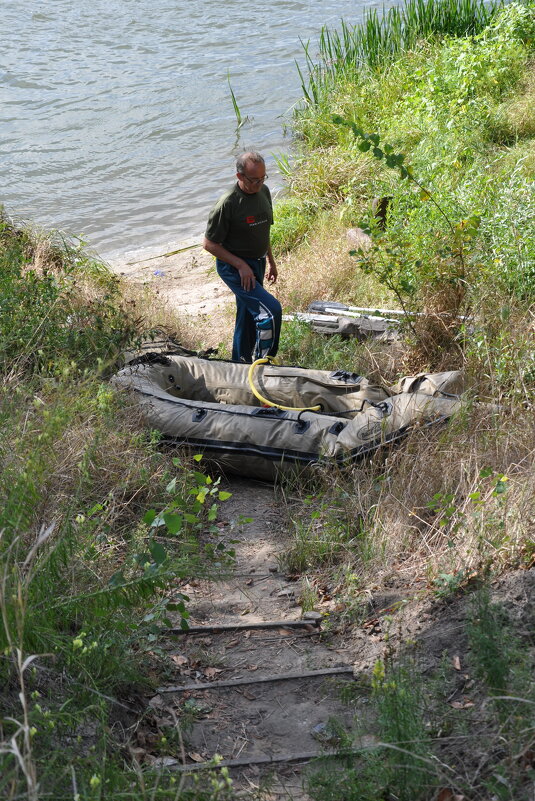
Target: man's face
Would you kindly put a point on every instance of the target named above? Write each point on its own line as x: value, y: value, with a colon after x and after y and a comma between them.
x: 252, y: 178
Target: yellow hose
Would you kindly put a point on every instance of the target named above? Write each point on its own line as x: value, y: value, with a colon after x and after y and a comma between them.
x: 267, y: 402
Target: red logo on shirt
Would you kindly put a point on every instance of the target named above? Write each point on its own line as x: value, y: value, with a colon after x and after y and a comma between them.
x: 249, y: 220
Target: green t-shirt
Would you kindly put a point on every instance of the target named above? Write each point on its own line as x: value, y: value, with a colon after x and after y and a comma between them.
x: 241, y: 222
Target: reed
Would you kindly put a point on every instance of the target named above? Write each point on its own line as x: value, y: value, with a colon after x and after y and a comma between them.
x: 239, y: 119
x: 346, y: 52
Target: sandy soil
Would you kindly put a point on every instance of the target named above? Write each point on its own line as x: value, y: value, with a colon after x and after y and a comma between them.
x: 187, y: 279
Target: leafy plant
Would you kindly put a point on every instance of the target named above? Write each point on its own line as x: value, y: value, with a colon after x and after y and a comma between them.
x: 388, y: 262
x: 400, y: 764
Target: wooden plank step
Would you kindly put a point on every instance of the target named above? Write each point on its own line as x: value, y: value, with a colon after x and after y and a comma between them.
x: 242, y: 762
x: 216, y: 685
x: 270, y: 624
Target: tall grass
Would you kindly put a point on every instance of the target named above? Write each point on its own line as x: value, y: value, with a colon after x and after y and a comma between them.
x: 97, y: 527
x: 345, y: 53
x: 57, y: 305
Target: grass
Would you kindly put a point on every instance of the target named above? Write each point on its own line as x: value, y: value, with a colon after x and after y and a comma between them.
x: 447, y: 109
x: 434, y: 507
x: 379, y: 40
x: 331, y: 272
x: 99, y: 529
x: 419, y: 748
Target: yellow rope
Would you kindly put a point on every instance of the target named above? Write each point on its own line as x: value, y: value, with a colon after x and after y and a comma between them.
x: 267, y: 402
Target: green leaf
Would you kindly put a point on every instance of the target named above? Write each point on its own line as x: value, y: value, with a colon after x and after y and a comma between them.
x: 364, y: 146
x: 149, y: 517
x: 224, y: 496
x: 375, y: 138
x: 198, y: 457
x: 171, y: 486
x: 184, y: 624
x: 378, y: 153
x: 173, y: 522
x: 158, y: 552
x: 189, y: 518
x: 117, y: 580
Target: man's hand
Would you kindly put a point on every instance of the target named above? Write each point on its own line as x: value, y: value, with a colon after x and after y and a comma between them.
x: 272, y: 272
x: 248, y: 281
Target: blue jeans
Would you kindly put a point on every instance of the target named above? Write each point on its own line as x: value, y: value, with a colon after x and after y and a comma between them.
x: 258, y: 314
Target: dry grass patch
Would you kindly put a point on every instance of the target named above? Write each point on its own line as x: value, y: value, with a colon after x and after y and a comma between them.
x: 322, y: 269
x: 330, y: 175
x: 516, y: 118
x: 213, y: 330
x: 447, y: 502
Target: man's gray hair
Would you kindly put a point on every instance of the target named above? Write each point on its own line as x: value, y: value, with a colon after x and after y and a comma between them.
x: 249, y: 155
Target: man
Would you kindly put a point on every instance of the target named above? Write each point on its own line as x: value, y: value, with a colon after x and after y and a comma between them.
x: 238, y: 234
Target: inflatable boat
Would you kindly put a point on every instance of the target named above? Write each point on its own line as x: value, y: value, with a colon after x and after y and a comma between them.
x: 262, y: 419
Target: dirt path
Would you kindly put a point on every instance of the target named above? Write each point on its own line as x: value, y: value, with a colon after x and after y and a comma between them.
x: 258, y: 720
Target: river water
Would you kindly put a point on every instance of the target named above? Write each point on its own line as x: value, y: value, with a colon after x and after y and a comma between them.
x: 118, y: 124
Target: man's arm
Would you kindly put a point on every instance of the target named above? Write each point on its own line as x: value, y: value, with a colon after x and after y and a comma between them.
x: 248, y: 280
x: 272, y: 272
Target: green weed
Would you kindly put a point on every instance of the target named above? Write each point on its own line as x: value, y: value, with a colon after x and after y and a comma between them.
x: 293, y: 219
x: 494, y: 647
x: 400, y: 765
x: 300, y: 345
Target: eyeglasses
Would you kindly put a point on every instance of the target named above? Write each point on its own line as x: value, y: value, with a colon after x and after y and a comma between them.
x: 255, y: 181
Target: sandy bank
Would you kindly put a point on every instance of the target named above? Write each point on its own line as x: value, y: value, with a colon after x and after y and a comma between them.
x: 187, y: 279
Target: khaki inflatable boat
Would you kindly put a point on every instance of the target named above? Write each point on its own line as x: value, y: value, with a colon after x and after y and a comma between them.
x: 262, y: 419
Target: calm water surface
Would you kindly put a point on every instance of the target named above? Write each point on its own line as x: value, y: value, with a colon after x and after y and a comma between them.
x: 117, y: 118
